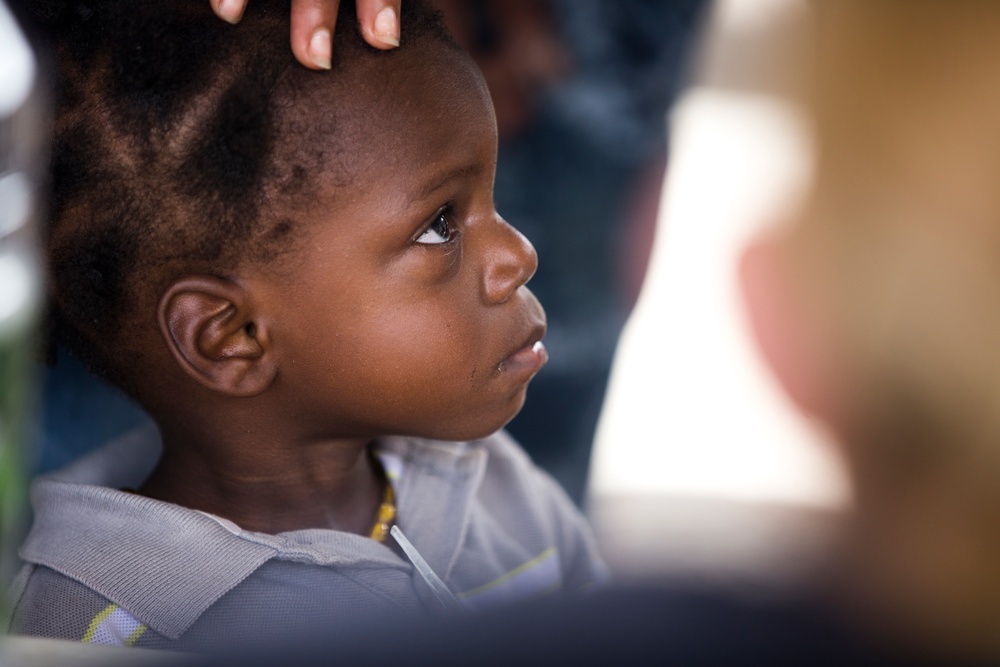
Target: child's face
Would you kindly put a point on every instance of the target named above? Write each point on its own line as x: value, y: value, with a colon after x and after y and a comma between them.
x: 404, y: 309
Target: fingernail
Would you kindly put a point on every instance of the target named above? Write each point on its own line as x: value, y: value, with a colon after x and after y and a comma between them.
x: 319, y: 48
x: 387, y: 26
x: 231, y: 10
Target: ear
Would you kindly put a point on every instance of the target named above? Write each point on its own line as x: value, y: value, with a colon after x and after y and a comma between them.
x: 791, y: 328
x: 209, y: 326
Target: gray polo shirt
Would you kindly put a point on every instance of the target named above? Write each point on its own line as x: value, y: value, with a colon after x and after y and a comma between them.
x: 107, y: 566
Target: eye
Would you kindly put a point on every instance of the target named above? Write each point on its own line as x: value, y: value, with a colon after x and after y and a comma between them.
x: 439, y: 230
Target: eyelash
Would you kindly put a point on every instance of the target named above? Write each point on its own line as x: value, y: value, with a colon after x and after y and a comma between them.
x: 450, y: 232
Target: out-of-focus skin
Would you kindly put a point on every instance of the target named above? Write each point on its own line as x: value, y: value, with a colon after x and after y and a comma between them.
x: 879, y: 310
x: 313, y: 22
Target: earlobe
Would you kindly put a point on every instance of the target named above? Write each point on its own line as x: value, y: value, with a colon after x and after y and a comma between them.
x: 209, y: 327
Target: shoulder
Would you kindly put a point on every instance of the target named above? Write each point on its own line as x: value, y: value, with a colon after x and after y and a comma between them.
x: 50, y: 604
x: 531, y: 500
x: 93, y: 545
x: 512, y: 476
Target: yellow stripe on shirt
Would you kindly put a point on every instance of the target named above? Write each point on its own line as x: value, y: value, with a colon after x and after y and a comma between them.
x: 548, y: 553
x: 88, y: 636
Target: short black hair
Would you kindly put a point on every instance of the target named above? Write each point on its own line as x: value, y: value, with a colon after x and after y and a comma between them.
x: 173, y: 131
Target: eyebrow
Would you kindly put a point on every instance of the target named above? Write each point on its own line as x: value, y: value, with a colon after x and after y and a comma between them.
x: 463, y: 171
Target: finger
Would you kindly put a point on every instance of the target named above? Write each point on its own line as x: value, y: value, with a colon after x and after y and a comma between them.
x: 229, y: 10
x: 379, y: 21
x: 312, y: 31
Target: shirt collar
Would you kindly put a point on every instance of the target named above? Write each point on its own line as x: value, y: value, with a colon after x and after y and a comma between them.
x: 168, y: 564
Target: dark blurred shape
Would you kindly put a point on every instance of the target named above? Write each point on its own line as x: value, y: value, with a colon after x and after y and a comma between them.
x: 671, y: 626
x: 517, y: 47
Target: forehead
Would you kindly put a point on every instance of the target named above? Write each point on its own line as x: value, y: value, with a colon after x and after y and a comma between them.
x: 441, y: 93
x: 403, y: 113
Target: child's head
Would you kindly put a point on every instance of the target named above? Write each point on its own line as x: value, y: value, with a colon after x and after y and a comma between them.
x: 232, y: 229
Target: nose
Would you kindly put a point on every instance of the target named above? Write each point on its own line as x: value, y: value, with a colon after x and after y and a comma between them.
x: 510, y: 262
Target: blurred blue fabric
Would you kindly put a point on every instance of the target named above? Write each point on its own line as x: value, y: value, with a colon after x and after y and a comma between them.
x: 79, y: 412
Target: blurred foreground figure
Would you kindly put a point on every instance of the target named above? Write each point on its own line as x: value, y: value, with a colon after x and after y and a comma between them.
x: 879, y: 311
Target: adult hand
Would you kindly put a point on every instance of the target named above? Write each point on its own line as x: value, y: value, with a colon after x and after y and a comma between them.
x: 313, y: 21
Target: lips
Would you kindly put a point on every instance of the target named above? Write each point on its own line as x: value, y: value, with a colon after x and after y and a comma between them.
x: 530, y: 355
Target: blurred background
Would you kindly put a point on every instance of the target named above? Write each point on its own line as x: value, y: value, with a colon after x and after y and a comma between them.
x: 23, y: 134
x: 634, y: 134
x: 701, y: 466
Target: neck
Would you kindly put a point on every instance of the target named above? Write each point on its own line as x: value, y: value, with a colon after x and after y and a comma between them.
x: 261, y: 487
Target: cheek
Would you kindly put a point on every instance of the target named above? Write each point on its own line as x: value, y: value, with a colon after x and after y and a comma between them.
x: 435, y: 342
x: 425, y: 370
x: 392, y: 340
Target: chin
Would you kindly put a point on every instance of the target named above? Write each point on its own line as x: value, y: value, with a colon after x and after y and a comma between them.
x: 513, y: 408
x: 483, y: 426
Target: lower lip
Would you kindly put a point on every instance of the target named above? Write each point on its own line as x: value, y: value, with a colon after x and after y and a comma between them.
x: 526, y: 360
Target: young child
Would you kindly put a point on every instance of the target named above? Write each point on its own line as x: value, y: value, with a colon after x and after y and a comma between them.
x: 302, y: 277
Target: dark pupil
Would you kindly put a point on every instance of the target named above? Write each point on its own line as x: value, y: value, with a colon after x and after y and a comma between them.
x: 441, y: 226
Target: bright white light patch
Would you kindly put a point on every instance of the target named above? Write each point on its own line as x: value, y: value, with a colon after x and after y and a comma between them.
x: 17, y: 66
x: 18, y: 288
x: 15, y: 193
x: 691, y: 409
